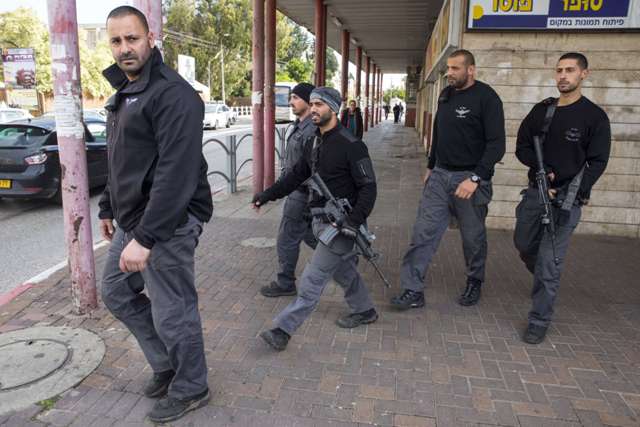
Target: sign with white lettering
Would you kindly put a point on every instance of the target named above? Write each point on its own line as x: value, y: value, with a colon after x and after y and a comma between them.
x: 553, y: 14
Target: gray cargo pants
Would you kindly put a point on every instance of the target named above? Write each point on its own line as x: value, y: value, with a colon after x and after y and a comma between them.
x: 295, y: 227
x: 546, y: 274
x: 438, y: 203
x: 338, y: 261
x: 166, y: 321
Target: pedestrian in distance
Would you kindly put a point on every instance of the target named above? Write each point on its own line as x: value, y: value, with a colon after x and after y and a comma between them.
x: 352, y: 119
x: 159, y: 197
x: 573, y: 139
x: 295, y: 225
x: 342, y: 161
x: 396, y: 113
x: 387, y: 108
x: 468, y: 140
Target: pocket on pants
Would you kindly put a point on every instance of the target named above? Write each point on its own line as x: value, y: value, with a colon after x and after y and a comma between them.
x: 179, y: 250
x: 528, y: 230
x: 483, y: 194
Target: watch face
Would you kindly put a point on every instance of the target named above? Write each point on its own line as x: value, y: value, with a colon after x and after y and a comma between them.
x: 475, y: 178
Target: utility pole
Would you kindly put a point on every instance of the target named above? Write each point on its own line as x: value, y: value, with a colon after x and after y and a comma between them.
x: 65, y: 72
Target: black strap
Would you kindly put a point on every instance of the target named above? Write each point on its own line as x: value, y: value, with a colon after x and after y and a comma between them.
x: 552, y: 103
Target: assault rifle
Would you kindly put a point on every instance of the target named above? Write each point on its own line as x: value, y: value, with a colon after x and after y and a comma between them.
x: 542, y: 181
x: 336, y: 211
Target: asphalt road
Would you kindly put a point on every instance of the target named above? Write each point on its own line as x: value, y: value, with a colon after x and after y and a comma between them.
x: 32, y: 235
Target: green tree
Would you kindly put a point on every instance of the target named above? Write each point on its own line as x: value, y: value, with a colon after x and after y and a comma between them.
x: 393, y: 92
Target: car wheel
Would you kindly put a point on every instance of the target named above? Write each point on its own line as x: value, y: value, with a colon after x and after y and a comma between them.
x: 228, y: 123
x: 57, y: 198
x: 215, y: 125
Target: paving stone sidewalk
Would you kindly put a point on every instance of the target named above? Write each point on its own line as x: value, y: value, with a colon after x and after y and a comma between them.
x: 443, y: 365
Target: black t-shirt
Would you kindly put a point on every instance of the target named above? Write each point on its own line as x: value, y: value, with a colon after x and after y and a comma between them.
x: 469, y: 130
x: 579, y: 133
x: 343, y: 164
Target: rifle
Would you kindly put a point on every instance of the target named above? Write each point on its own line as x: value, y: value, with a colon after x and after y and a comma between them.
x: 337, y: 210
x: 542, y: 181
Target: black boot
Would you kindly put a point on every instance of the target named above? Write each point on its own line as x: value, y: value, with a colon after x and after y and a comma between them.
x: 408, y: 299
x: 534, y: 334
x: 356, y: 319
x: 274, y: 289
x: 171, y: 408
x: 158, y: 384
x: 276, y: 338
x: 471, y: 294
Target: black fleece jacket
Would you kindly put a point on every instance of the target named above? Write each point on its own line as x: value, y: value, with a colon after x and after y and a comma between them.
x: 345, y: 167
x: 157, y: 173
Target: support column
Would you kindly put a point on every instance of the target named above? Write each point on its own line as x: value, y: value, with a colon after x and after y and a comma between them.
x: 381, y: 95
x: 366, y: 93
x: 257, y: 101
x: 344, y: 86
x: 152, y: 9
x: 324, y: 45
x: 378, y: 116
x: 358, y: 74
x: 65, y: 73
x: 372, y: 102
x: 319, y: 42
x: 269, y: 93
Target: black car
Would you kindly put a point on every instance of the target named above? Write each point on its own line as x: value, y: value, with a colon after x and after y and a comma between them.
x: 29, y: 162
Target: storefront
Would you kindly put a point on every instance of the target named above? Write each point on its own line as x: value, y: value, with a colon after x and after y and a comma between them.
x: 516, y: 44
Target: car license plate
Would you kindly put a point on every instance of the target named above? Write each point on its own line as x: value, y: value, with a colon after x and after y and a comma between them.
x: 5, y: 183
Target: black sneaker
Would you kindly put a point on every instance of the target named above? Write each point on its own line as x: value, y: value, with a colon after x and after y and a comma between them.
x: 356, y: 319
x: 471, y: 294
x: 158, y: 384
x: 408, y: 299
x: 276, y: 338
x: 170, y: 408
x: 534, y: 334
x: 273, y: 289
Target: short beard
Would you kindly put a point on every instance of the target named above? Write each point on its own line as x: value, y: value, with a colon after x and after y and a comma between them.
x: 569, y: 89
x: 323, y: 120
x: 460, y: 83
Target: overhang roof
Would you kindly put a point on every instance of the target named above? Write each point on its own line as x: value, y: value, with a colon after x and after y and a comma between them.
x: 393, y: 33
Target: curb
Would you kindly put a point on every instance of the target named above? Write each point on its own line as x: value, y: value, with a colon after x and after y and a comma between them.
x: 7, y: 297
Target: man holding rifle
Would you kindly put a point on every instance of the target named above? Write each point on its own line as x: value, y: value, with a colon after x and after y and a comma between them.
x: 565, y: 142
x: 340, y: 165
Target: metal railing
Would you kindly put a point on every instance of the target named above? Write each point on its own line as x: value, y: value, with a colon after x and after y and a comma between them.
x: 243, y: 110
x: 230, y: 144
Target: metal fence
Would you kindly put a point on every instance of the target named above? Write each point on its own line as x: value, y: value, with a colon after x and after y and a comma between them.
x: 243, y: 110
x: 230, y: 144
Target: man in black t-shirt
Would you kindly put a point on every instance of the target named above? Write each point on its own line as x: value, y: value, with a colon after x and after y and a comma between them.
x: 468, y: 140
x: 575, y: 154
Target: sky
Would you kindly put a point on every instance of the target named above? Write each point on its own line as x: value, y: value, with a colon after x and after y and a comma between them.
x: 95, y: 12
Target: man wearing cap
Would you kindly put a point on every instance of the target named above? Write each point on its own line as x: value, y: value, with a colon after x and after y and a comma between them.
x: 295, y: 225
x: 342, y: 161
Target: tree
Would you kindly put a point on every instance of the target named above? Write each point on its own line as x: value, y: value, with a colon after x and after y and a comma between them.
x: 393, y: 92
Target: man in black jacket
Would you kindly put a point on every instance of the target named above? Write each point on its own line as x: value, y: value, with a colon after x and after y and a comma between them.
x: 468, y: 140
x: 343, y: 163
x: 575, y: 154
x: 159, y: 196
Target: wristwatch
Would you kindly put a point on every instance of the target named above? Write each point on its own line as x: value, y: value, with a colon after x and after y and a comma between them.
x: 475, y: 178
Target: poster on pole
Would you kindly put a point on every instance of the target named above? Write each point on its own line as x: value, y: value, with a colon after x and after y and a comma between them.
x: 565, y: 15
x: 187, y: 68
x: 19, y: 69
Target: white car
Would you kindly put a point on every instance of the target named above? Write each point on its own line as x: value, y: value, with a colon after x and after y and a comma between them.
x: 10, y: 114
x: 216, y: 115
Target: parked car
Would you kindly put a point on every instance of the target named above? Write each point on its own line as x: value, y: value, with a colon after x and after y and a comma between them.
x: 88, y: 114
x: 29, y: 162
x: 10, y: 114
x: 216, y: 115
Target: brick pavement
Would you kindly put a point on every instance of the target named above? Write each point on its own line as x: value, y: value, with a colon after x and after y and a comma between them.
x: 444, y: 365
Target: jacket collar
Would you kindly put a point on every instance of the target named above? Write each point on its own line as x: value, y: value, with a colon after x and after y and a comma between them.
x: 118, y: 79
x: 330, y: 133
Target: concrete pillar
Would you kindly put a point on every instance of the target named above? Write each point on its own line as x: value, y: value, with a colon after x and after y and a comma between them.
x: 366, y: 93
x: 67, y: 91
x: 344, y: 81
x: 269, y: 92
x: 320, y: 28
x: 372, y: 102
x: 358, y: 73
x: 257, y: 98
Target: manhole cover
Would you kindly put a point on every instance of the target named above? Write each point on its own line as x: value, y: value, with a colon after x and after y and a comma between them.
x: 259, y: 242
x: 42, y: 362
x: 24, y: 362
